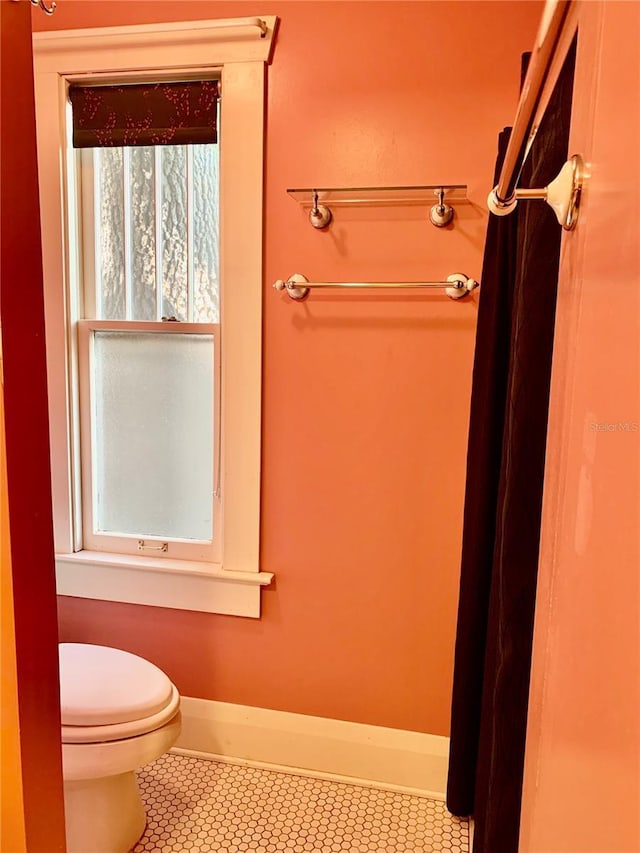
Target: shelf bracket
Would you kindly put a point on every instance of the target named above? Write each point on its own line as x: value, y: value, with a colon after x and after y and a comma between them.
x: 319, y: 216
x: 441, y: 214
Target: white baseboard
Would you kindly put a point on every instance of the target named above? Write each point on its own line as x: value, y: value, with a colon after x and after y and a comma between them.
x: 318, y: 745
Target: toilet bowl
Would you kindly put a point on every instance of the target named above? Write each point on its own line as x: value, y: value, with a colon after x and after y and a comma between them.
x: 119, y: 712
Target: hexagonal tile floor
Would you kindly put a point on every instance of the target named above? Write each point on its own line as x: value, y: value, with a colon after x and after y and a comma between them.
x: 201, y: 805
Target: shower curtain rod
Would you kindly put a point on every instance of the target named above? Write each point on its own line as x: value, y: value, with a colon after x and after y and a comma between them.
x: 298, y: 286
x: 555, y: 34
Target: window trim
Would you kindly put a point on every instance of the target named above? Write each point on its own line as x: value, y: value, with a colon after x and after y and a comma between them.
x: 239, y: 56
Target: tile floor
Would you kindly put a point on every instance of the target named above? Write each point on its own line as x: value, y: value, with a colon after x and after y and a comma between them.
x: 200, y: 805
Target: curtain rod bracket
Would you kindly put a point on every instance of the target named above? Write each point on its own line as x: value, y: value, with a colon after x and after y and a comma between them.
x: 562, y: 194
x: 553, y: 41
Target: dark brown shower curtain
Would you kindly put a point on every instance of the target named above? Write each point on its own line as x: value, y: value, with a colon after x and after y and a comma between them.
x: 503, y: 500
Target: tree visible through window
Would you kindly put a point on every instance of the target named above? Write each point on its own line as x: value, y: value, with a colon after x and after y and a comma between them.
x: 156, y: 232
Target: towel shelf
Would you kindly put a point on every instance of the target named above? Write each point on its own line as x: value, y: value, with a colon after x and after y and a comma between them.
x: 439, y: 198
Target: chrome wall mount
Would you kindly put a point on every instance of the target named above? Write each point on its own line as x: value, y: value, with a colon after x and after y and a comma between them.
x: 441, y: 214
x: 320, y: 201
x: 319, y: 215
x: 562, y: 194
x: 298, y: 286
x: 553, y: 40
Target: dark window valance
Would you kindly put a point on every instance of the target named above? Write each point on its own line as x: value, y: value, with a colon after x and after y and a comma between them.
x: 144, y: 114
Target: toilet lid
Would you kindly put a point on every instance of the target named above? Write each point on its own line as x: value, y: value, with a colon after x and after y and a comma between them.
x: 101, y: 686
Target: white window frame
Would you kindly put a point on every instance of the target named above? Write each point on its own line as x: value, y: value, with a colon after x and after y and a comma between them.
x: 234, y: 50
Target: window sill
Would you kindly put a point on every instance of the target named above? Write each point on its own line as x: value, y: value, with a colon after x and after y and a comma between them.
x: 178, y: 584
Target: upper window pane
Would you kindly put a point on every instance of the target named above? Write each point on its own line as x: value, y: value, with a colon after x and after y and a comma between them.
x: 156, y: 233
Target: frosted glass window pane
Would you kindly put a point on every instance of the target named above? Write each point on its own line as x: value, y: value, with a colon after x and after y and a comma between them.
x: 111, y: 299
x: 205, y: 233
x: 174, y: 231
x: 143, y: 233
x: 153, y: 434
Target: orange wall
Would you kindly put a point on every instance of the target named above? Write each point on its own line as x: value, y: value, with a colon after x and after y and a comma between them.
x: 582, y: 775
x: 365, y: 397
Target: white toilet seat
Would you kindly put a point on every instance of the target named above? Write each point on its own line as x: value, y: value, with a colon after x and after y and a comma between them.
x: 101, y: 686
x: 122, y: 731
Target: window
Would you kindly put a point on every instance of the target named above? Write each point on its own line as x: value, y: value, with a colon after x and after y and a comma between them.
x: 148, y: 237
x: 155, y: 415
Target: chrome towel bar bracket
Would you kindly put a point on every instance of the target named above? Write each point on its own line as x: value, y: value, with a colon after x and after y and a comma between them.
x: 298, y: 287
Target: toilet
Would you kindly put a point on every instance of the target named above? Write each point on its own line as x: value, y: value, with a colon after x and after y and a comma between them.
x: 119, y: 712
